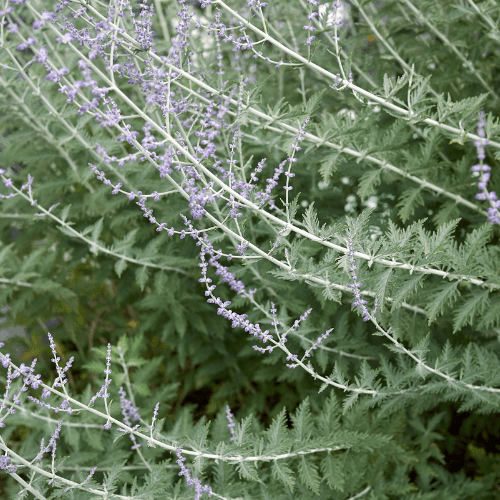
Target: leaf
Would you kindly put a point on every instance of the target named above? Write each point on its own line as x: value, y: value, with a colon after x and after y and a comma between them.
x: 247, y: 470
x: 332, y: 467
x: 283, y: 473
x: 241, y: 433
x: 141, y: 277
x: 492, y: 316
x: 332, y: 294
x: 294, y: 252
x: 462, y: 109
x: 95, y: 229
x: 277, y: 438
x: 256, y: 88
x: 380, y: 288
x: 391, y: 86
x: 368, y: 182
x: 67, y: 231
x: 441, y: 237
x: 356, y: 226
x: 123, y: 344
x: 475, y: 304
x: 292, y: 209
x: 277, y: 430
x: 406, y: 288
x: 446, y: 212
x: 65, y: 212
x: 276, y: 111
x: 329, y: 165
x: 120, y: 266
x: 179, y: 318
x: 310, y: 219
x: 349, y: 401
x: 308, y: 472
x: 447, y: 293
x: 474, y: 242
x: 121, y: 246
x: 111, y: 477
x: 71, y: 436
x: 93, y: 438
x: 314, y: 102
x: 421, y: 348
x: 302, y: 422
x: 199, y: 439
x: 6, y: 252
x: 408, y: 201
x: 403, y: 238
x: 419, y: 89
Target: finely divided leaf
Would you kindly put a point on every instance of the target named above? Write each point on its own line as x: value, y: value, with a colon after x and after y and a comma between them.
x: 247, y: 470
x: 283, y: 473
x: 310, y: 219
x: 241, y: 434
x: 308, y: 472
x: 302, y: 422
x: 141, y: 276
x: 332, y: 294
x: 475, y: 304
x: 408, y: 201
x: 368, y: 182
x: 120, y: 266
x: 447, y: 293
x: 380, y: 288
x: 329, y: 165
x: 406, y: 288
x: 332, y: 467
x: 313, y: 102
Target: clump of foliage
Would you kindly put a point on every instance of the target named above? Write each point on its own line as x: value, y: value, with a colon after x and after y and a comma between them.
x: 254, y: 248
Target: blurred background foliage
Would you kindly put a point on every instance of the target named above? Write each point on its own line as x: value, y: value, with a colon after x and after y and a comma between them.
x: 195, y: 360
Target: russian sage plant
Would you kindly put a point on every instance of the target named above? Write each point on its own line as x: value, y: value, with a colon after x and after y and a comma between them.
x: 254, y: 247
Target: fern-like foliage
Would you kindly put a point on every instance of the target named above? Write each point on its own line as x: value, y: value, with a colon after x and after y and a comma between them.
x: 253, y: 248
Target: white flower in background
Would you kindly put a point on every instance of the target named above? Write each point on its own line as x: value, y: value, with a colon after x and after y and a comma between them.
x: 352, y: 204
x: 349, y: 112
x: 328, y: 10
x: 199, y: 37
x: 371, y: 202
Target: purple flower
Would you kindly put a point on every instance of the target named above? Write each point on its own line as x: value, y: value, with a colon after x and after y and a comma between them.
x: 198, y: 488
x: 484, y: 170
x: 5, y: 464
x: 359, y: 302
x: 155, y: 414
x: 129, y: 412
x: 231, y: 424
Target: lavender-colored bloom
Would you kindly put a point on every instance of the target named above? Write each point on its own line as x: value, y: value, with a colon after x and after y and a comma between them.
x: 310, y: 28
x: 89, y: 477
x: 155, y: 414
x: 231, y: 424
x: 484, y: 170
x: 199, y: 489
x: 241, y: 249
x: 103, y: 391
x: 129, y: 413
x: 5, y: 464
x: 52, y: 444
x: 355, y: 285
x: 319, y: 341
x: 61, y: 379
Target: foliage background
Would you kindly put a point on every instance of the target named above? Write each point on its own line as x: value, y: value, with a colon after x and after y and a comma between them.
x: 180, y: 352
